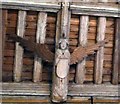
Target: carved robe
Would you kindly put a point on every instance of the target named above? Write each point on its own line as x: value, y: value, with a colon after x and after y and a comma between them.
x: 60, y: 78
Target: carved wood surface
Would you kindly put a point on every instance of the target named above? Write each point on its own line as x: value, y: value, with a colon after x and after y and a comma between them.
x: 73, y: 42
x: 59, y: 86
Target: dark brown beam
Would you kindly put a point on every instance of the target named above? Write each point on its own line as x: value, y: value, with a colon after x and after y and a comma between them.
x: 116, y: 55
x: 3, y: 28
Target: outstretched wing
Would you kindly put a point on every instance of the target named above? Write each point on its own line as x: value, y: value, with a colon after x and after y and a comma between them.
x: 39, y: 49
x: 80, y: 52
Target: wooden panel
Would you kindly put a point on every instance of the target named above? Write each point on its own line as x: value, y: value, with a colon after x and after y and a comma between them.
x: 40, y: 38
x: 116, y: 53
x: 100, y: 54
x: 80, y: 71
x: 19, y: 49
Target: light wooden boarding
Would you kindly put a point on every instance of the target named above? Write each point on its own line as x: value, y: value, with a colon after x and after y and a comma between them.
x: 80, y: 71
x: 40, y: 38
x: 98, y: 72
x: 19, y: 49
x: 116, y: 65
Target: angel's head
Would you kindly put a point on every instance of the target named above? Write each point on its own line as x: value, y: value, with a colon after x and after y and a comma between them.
x: 63, y: 43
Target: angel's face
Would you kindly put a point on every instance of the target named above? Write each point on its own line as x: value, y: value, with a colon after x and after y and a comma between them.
x: 63, y: 44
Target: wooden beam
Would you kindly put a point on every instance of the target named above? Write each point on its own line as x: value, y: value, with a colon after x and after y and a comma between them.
x: 116, y: 53
x: 3, y: 27
x: 19, y: 50
x: 46, y: 99
x: 42, y: 89
x: 40, y: 38
x: 60, y: 85
x: 80, y: 71
x: 107, y: 10
x: 98, y: 72
x: 30, y: 5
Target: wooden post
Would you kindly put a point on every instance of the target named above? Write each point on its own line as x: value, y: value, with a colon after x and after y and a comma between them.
x: 80, y: 71
x: 40, y: 38
x: 61, y: 65
x: 100, y: 54
x: 19, y: 50
x: 98, y: 73
x: 116, y: 54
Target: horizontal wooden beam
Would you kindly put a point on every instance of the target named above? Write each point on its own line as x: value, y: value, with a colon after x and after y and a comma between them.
x: 42, y: 89
x: 96, y: 9
x: 106, y: 10
x: 46, y: 99
x: 30, y: 5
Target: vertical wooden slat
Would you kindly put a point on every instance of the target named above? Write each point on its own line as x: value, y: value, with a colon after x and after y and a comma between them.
x: 80, y: 71
x: 40, y: 38
x: 83, y: 31
x: 100, y: 53
x: 116, y: 52
x: 19, y: 50
x: 60, y: 85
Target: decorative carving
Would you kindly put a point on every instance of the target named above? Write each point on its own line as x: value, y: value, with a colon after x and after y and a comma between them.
x: 43, y: 51
x: 62, y: 61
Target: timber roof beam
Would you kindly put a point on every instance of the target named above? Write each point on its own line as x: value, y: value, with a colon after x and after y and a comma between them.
x: 95, y: 9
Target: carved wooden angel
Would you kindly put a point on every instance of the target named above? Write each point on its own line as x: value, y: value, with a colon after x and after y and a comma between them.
x: 63, y: 59
x: 42, y: 51
x: 61, y: 69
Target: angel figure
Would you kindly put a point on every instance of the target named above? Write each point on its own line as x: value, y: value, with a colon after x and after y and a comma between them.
x: 62, y: 60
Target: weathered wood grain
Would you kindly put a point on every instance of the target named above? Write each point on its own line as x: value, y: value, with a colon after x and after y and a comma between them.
x: 19, y: 49
x: 116, y: 67
x: 40, y: 38
x: 100, y: 54
x: 80, y: 71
